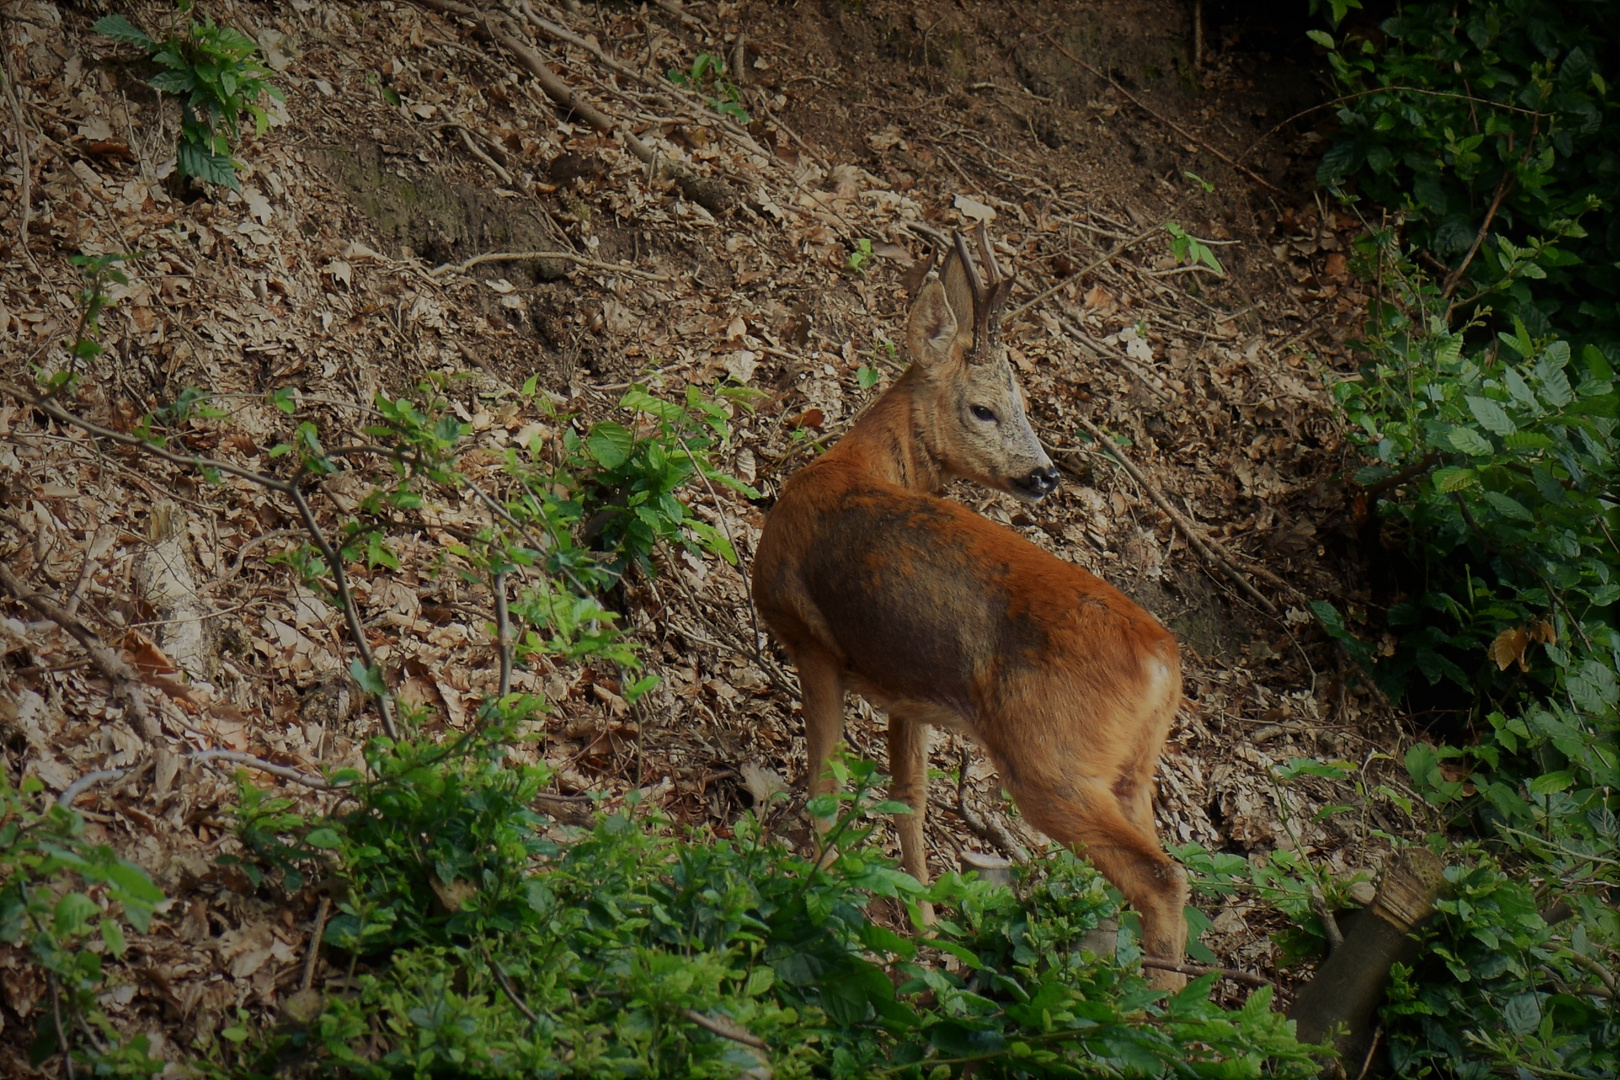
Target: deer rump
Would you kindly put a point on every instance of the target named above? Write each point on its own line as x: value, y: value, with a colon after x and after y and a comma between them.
x: 954, y: 621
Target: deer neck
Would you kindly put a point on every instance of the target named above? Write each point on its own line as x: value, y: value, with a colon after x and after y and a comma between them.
x: 897, y: 441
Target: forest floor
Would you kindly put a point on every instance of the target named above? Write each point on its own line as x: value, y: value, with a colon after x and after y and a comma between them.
x: 412, y: 139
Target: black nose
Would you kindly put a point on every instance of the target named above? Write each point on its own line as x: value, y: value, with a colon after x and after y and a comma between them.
x: 1040, y: 482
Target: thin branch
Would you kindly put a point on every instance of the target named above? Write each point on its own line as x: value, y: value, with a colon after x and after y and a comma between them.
x: 566, y: 256
x: 1206, y: 548
x: 479, y: 153
x: 56, y: 1019
x: 1454, y: 278
x: 1080, y: 273
x: 262, y: 765
x: 503, y: 633
x: 1246, y: 977
x: 725, y: 1030
x: 85, y: 783
x: 125, y: 680
x: 314, y: 954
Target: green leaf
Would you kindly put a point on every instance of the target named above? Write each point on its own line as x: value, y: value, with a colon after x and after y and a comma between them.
x: 72, y: 911
x: 121, y: 29
x: 1491, y: 415
x: 1551, y: 782
x: 1321, y: 37
x: 1508, y: 506
x: 1451, y: 478
x: 113, y: 935
x: 610, y: 444
x: 1468, y: 441
x: 324, y: 838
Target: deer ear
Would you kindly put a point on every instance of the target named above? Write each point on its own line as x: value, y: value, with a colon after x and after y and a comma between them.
x: 959, y: 291
x: 931, y: 328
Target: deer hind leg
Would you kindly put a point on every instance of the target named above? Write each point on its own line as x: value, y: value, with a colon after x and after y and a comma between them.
x: 1114, y: 828
x: 822, y: 687
x: 908, y: 768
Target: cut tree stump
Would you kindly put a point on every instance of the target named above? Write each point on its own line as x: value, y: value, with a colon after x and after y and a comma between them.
x: 1344, y: 996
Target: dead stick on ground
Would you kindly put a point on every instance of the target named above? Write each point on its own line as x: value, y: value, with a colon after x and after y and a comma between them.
x: 125, y: 680
x: 289, y: 488
x: 1082, y: 272
x: 1205, y: 548
x: 566, y: 256
x: 1196, y: 970
x: 315, y: 933
x: 270, y: 767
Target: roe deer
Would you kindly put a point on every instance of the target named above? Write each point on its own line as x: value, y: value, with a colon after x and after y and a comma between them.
x: 875, y: 583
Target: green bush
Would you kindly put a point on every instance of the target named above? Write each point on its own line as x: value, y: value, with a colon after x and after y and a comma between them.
x: 65, y: 901
x: 1487, y: 406
x: 1494, y: 116
x: 476, y: 945
x: 212, y: 70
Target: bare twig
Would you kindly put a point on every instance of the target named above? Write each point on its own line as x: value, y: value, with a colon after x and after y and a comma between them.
x: 1248, y: 978
x: 124, y: 679
x: 512, y: 995
x: 725, y: 1030
x: 56, y: 1019
x: 566, y: 256
x: 25, y: 192
x: 1082, y: 272
x: 1204, y: 547
x: 85, y: 783
x: 262, y: 765
x: 314, y: 954
x: 1454, y: 278
x: 503, y: 633
x: 479, y: 153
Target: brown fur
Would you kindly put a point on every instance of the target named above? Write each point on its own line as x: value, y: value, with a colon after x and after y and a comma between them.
x: 875, y: 583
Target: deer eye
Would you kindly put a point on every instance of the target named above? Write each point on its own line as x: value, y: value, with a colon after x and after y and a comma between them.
x: 981, y: 413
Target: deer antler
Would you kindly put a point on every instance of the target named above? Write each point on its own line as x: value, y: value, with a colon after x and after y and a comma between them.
x: 989, y: 297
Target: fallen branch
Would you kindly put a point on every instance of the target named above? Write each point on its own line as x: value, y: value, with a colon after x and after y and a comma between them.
x: 264, y: 766
x: 125, y: 680
x: 85, y: 783
x: 991, y: 832
x: 566, y: 256
x: 1080, y: 273
x: 1246, y: 977
x: 479, y: 153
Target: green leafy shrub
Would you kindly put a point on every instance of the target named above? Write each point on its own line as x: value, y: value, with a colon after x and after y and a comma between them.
x: 66, y: 901
x: 1487, y: 406
x: 212, y: 70
x: 481, y: 945
x: 1490, y: 124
